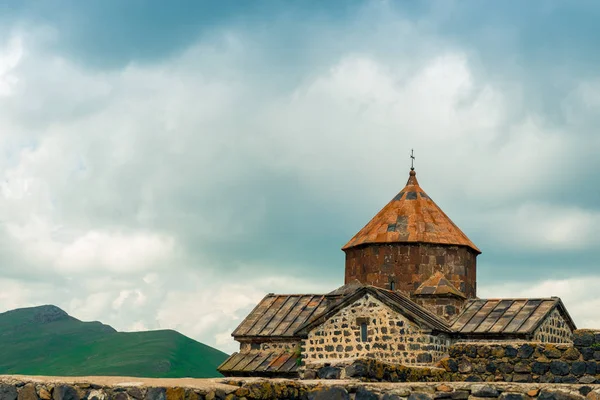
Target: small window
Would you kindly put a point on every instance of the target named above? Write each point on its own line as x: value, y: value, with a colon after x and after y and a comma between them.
x: 363, y: 332
x: 392, y: 285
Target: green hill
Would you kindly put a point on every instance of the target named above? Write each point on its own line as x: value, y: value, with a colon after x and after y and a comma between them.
x: 45, y: 340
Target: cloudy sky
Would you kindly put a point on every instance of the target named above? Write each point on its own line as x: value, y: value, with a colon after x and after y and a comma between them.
x: 166, y: 166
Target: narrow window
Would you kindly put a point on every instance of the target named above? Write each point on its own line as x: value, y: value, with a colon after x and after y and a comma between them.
x: 363, y: 332
x: 392, y: 285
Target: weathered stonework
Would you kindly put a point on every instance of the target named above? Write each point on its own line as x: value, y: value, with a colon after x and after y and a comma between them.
x: 390, y: 337
x: 271, y: 345
x: 103, y: 388
x: 409, y: 265
x: 554, y: 330
x: 447, y: 307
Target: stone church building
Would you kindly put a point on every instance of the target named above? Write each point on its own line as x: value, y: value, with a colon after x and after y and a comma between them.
x: 410, y: 292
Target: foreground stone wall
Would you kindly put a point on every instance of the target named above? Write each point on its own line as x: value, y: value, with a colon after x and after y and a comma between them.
x: 390, y: 337
x: 99, y: 388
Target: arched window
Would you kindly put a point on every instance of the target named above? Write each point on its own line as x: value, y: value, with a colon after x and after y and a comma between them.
x: 392, y: 285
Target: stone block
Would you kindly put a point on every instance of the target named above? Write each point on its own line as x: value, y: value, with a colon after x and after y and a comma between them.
x: 587, y: 353
x: 571, y: 354
x: 560, y: 368
x: 8, y: 392
x: 522, y: 378
x: 156, y: 393
x: 28, y: 392
x: 510, y: 351
x: 591, y: 367
x: 65, y: 392
x: 358, y: 369
x: 329, y: 373
x: 391, y: 396
x: 365, y: 394
x: 578, y: 368
x: 465, y: 366
x: 583, y: 338
x: 587, y: 379
x: 484, y: 391
x: 513, y: 396
x: 552, y: 351
x: 333, y: 393
x: 558, y: 395
x: 420, y: 396
x: 525, y: 351
x: 498, y: 352
x: 460, y: 395
x: 522, y: 367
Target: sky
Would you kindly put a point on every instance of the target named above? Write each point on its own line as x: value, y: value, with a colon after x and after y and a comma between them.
x: 164, y: 165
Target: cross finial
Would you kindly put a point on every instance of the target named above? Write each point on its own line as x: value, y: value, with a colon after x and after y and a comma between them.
x: 412, y: 159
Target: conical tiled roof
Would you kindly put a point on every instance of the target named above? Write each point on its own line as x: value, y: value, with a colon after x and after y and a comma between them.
x: 437, y: 284
x: 411, y: 217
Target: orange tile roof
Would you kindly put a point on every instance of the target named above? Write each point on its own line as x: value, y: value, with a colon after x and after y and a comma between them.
x: 411, y: 217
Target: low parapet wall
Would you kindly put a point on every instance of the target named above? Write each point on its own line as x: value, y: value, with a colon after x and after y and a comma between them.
x: 521, y: 362
x: 100, y: 388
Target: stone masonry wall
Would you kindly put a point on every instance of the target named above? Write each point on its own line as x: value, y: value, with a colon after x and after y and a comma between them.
x: 447, y: 307
x: 527, y: 362
x: 553, y: 330
x: 409, y: 265
x: 390, y: 337
x: 97, y: 388
x: 247, y: 347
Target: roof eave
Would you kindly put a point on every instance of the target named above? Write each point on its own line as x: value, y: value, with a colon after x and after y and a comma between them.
x: 348, y: 246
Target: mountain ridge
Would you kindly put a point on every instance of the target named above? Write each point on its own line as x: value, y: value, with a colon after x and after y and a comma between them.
x: 45, y: 340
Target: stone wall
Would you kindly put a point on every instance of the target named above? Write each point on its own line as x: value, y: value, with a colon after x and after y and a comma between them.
x: 553, y: 330
x: 447, y: 307
x: 97, y: 388
x: 527, y: 362
x: 390, y: 337
x: 271, y: 345
x: 409, y: 265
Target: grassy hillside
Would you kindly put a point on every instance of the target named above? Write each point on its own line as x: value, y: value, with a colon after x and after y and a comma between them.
x: 47, y: 341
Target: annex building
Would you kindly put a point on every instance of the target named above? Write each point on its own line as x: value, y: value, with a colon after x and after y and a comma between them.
x: 410, y: 292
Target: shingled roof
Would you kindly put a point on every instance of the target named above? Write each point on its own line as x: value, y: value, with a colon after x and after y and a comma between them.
x: 271, y: 363
x: 292, y: 315
x: 507, y: 317
x: 411, y: 217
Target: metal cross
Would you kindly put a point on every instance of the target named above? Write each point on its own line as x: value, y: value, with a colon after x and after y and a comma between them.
x: 412, y: 159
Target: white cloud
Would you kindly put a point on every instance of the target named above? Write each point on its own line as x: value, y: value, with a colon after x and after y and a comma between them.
x: 9, y: 59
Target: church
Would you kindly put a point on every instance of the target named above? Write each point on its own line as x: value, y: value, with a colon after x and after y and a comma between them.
x: 410, y: 292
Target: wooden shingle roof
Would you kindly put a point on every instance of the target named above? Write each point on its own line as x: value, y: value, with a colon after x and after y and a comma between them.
x: 267, y: 363
x: 282, y: 315
x: 411, y: 217
x: 506, y: 317
x: 289, y: 316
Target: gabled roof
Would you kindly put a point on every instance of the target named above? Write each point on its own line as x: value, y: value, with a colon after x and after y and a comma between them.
x: 289, y: 316
x: 411, y: 217
x: 394, y: 300
x: 281, y: 315
x: 438, y: 285
x: 505, y: 317
x: 280, y: 363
